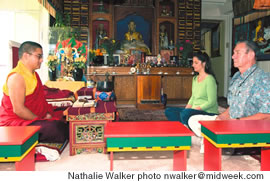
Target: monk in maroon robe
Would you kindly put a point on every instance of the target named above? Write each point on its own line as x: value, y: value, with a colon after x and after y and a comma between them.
x: 24, y: 101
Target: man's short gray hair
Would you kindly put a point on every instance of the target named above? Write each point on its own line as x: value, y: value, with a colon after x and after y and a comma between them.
x: 251, y: 45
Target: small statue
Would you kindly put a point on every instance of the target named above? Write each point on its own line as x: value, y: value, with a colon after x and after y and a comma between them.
x: 100, y: 34
x: 101, y: 7
x: 171, y: 45
x: 67, y: 57
x: 163, y: 38
x: 148, y: 67
x: 159, y: 59
x: 164, y: 11
x: 138, y: 68
x: 259, y: 34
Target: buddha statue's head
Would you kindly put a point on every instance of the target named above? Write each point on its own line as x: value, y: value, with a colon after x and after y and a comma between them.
x: 132, y: 26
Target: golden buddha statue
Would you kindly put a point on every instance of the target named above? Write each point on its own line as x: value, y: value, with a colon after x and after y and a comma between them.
x: 67, y: 54
x: 134, y: 40
x: 259, y: 33
x: 132, y: 34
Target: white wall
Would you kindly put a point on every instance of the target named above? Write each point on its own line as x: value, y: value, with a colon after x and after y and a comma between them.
x: 22, y: 20
x: 5, y: 36
x: 265, y: 65
x: 221, y: 10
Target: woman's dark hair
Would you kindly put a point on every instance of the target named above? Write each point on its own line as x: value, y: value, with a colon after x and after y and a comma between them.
x: 204, y: 58
x: 28, y: 47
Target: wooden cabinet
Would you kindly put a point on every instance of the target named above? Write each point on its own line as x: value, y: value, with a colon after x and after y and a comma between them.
x: 177, y: 88
x: 132, y: 88
x: 149, y: 92
x: 124, y: 87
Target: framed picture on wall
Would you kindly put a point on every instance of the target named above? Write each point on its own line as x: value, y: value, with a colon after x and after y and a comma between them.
x: 116, y: 58
x: 257, y: 31
x: 151, y: 59
x: 165, y: 54
x: 123, y: 59
x: 215, y: 41
x: 137, y: 55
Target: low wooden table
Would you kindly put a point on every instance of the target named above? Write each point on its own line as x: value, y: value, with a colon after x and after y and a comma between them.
x: 17, y: 144
x: 149, y: 136
x: 234, y: 134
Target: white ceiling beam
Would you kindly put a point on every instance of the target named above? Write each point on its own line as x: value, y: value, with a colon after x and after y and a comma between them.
x: 216, y: 2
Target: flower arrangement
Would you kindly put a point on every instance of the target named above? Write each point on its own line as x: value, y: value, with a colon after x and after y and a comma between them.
x: 79, y: 62
x: 110, y: 45
x: 98, y: 52
x: 92, y: 55
x: 52, y: 62
x: 185, y: 48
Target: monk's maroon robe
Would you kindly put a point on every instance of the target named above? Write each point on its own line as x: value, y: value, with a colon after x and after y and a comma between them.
x: 35, y: 102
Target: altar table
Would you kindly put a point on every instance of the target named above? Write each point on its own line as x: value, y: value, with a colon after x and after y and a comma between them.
x: 17, y: 144
x: 149, y: 136
x: 234, y: 134
x: 66, y: 85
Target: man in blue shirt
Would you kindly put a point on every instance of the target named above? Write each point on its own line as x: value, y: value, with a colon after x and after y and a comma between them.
x: 249, y: 91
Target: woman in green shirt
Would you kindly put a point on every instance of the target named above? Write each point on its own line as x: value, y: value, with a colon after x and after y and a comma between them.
x: 204, y: 92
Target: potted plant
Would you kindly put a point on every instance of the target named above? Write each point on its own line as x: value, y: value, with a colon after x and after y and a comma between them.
x: 52, y: 64
x: 110, y: 45
x: 185, y: 48
x: 78, y: 65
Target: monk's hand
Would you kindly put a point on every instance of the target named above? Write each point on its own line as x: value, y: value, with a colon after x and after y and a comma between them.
x: 48, y: 116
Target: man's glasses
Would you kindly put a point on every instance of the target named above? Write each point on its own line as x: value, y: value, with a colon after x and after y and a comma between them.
x: 39, y: 56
